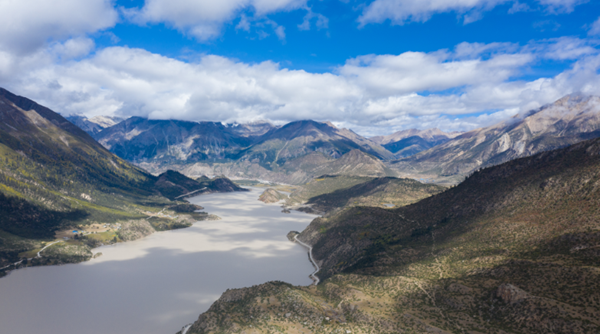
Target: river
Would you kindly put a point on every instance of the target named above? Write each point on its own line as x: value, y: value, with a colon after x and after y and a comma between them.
x: 164, y: 281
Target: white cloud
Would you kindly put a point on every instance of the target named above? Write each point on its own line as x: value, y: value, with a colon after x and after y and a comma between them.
x: 203, y: 19
x: 280, y: 32
x: 321, y: 22
x: 405, y: 11
x: 561, y: 6
x: 417, y: 71
x: 564, y: 48
x: 371, y: 94
x: 26, y: 25
x: 402, y: 11
x: 595, y: 29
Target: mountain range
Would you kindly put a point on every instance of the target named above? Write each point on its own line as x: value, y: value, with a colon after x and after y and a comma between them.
x: 166, y: 141
x: 299, y: 151
x: 571, y: 119
x: 293, y: 153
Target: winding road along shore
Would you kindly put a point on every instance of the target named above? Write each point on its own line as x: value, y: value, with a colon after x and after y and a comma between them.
x: 38, y: 255
x: 312, y: 260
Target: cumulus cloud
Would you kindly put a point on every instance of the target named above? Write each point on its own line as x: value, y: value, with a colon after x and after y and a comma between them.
x: 27, y: 25
x: 203, y: 19
x: 405, y: 11
x: 370, y: 94
x: 417, y: 71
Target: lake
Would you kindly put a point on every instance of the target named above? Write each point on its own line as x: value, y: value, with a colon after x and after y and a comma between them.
x: 162, y: 282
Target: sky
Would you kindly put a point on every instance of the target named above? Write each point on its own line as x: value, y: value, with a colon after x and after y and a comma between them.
x: 375, y: 67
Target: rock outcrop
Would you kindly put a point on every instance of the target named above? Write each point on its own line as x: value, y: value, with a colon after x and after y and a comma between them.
x: 271, y: 195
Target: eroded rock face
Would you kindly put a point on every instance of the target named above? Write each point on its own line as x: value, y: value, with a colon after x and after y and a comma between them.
x: 511, y: 294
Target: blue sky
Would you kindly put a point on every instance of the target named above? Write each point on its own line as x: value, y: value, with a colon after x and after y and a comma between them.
x: 375, y: 67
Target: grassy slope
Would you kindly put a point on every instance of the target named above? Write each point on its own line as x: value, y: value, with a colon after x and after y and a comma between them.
x: 377, y: 193
x: 323, y: 185
x: 513, y: 249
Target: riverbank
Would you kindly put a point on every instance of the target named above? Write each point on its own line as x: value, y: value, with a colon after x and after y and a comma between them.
x: 75, y: 246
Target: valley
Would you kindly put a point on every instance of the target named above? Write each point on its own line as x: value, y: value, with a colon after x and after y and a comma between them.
x: 494, y: 230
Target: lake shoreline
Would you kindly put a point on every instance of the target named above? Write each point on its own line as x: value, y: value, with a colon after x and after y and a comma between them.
x: 163, y: 280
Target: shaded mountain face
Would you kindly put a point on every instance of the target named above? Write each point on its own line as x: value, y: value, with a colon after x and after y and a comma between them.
x: 56, y: 170
x: 512, y: 243
x: 139, y: 139
x: 95, y: 124
x: 567, y: 121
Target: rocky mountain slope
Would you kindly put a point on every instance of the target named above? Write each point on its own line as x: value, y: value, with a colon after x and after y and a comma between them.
x: 300, y: 138
x: 95, y: 124
x: 515, y: 248
x: 166, y: 141
x: 567, y: 121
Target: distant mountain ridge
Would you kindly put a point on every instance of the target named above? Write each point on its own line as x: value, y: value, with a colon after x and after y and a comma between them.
x: 95, y: 124
x: 569, y: 120
x: 410, y: 142
x: 427, y: 134
x: 141, y: 139
x: 291, y: 153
